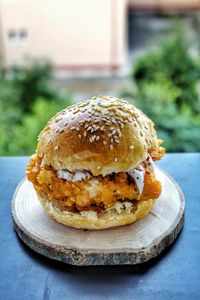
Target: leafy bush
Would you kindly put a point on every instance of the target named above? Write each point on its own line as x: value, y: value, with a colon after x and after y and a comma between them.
x: 21, y: 86
x: 166, y: 90
x: 23, y: 137
x: 27, y: 101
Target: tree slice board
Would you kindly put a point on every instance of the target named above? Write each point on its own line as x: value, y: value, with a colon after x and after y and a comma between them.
x: 129, y: 244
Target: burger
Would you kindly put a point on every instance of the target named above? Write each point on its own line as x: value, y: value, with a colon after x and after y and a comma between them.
x: 94, y: 164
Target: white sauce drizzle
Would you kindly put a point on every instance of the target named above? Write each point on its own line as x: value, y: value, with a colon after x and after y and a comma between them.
x: 137, y: 174
x: 149, y: 162
x: 76, y: 176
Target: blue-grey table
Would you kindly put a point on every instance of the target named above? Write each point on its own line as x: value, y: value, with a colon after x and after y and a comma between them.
x: 175, y: 274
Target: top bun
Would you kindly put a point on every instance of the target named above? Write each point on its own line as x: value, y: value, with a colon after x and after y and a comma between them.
x: 101, y: 135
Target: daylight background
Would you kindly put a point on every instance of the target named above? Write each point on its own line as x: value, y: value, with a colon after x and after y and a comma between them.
x: 54, y: 53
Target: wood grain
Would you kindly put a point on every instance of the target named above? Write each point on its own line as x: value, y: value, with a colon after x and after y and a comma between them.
x: 130, y: 244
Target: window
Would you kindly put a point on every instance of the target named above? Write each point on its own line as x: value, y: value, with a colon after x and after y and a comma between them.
x: 20, y: 36
x: 12, y: 36
x: 23, y: 35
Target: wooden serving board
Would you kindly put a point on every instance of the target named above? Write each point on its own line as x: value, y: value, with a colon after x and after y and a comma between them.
x: 130, y: 244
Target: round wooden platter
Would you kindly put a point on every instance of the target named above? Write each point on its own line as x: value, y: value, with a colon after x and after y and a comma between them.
x: 130, y: 244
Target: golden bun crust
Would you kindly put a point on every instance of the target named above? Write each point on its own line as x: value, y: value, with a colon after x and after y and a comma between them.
x: 101, y: 135
x: 90, y: 220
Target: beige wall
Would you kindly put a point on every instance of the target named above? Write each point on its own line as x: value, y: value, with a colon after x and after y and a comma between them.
x: 72, y: 33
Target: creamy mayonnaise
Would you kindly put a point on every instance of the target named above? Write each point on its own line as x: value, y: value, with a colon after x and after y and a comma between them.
x: 149, y: 162
x: 76, y: 176
x: 138, y: 176
x: 138, y: 173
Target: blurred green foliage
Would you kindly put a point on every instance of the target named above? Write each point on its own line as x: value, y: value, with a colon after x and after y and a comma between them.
x: 167, y: 91
x: 27, y: 101
x: 167, y: 83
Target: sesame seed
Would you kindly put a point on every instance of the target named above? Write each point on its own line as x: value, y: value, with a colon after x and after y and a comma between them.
x: 73, y: 128
x: 97, y: 138
x: 109, y: 134
x: 114, y: 131
x: 89, y: 128
x: 115, y: 159
x: 57, y: 120
x: 61, y: 130
x: 111, y: 147
x: 111, y: 141
x: 85, y: 133
x: 116, y: 141
x: 49, y: 141
x: 66, y: 123
x: 102, y: 128
x: 79, y: 136
x: 56, y: 148
x: 131, y: 147
x: 77, y: 129
x: 98, y: 167
x: 119, y: 119
x: 104, y: 142
x: 118, y: 130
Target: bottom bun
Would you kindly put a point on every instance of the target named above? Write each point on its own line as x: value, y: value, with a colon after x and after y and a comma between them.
x: 117, y: 215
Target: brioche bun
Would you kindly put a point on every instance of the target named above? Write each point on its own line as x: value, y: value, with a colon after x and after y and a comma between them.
x: 101, y: 135
x: 112, y: 217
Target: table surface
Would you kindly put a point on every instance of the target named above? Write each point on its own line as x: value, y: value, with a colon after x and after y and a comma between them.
x: 175, y: 274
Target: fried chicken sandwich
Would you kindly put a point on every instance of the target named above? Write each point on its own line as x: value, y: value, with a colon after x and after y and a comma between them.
x: 93, y: 167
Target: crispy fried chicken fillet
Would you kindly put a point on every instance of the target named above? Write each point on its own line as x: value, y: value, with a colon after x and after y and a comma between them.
x: 93, y: 167
x: 96, y: 194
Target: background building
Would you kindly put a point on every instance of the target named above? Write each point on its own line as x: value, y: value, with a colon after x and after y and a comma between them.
x: 74, y: 35
x: 79, y: 36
